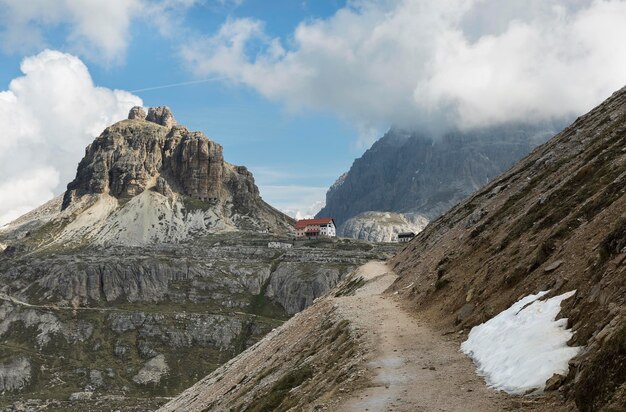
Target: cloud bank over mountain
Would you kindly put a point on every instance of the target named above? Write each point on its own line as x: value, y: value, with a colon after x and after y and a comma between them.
x: 419, y: 62
x: 48, y: 116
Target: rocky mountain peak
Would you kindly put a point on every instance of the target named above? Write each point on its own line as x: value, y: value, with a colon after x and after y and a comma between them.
x: 149, y: 167
x: 137, y: 112
x: 130, y: 157
x: 161, y: 115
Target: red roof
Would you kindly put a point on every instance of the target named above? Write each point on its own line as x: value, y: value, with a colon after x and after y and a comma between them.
x: 301, y: 224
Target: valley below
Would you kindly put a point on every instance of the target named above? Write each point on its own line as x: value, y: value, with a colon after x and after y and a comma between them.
x: 83, y: 328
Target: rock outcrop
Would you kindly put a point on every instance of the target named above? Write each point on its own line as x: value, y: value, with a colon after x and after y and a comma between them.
x: 137, y: 112
x: 130, y: 156
x: 411, y: 171
x: 15, y: 375
x: 382, y: 226
x: 152, y: 371
x: 160, y: 115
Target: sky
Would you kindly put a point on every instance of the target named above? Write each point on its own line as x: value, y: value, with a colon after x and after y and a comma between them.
x: 295, y: 90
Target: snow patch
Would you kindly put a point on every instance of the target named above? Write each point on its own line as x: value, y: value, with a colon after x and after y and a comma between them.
x: 523, y: 346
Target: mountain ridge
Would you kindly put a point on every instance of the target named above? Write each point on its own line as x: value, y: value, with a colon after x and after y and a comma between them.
x: 410, y: 171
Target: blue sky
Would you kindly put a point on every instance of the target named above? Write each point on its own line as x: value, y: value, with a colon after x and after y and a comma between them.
x: 254, y: 131
x: 293, y: 89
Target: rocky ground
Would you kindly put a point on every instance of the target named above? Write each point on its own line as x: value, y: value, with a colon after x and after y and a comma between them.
x: 137, y: 323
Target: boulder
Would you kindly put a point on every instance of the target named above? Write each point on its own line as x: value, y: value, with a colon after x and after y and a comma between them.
x: 161, y: 115
x: 555, y: 382
x: 137, y: 112
x: 152, y: 372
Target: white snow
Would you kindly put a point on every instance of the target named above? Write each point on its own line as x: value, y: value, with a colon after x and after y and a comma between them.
x: 522, y: 347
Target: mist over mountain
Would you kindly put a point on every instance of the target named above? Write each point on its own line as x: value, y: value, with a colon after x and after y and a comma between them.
x: 412, y: 171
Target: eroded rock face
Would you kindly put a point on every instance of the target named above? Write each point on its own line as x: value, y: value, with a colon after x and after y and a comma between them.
x: 197, y: 163
x: 129, y: 156
x: 154, y: 153
x: 161, y: 115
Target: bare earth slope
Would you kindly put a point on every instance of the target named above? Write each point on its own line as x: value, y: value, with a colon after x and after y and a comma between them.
x: 355, y: 350
x: 556, y: 221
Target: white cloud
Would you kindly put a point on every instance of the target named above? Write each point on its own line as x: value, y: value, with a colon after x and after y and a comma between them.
x: 417, y: 62
x: 97, y: 28
x: 31, y: 188
x: 48, y: 116
x: 299, y: 202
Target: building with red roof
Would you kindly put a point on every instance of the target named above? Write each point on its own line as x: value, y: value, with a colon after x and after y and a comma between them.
x: 314, y: 228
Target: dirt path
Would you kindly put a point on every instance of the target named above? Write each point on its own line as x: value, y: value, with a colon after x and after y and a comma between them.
x: 414, y: 368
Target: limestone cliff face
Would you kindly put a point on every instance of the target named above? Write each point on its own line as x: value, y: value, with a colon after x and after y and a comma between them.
x: 413, y: 171
x: 153, y: 154
x: 198, y: 164
x: 127, y: 158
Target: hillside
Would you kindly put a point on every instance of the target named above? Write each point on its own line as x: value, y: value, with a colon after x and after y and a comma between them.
x: 553, y: 224
x: 556, y: 221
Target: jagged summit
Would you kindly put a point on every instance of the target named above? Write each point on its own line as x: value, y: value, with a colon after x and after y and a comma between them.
x: 148, y: 179
x: 161, y: 115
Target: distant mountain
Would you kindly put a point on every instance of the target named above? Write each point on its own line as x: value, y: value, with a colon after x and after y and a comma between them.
x: 412, y: 171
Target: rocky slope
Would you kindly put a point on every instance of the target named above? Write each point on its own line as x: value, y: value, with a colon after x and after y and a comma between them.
x: 382, y: 226
x: 556, y: 221
x: 153, y: 269
x: 412, y: 171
